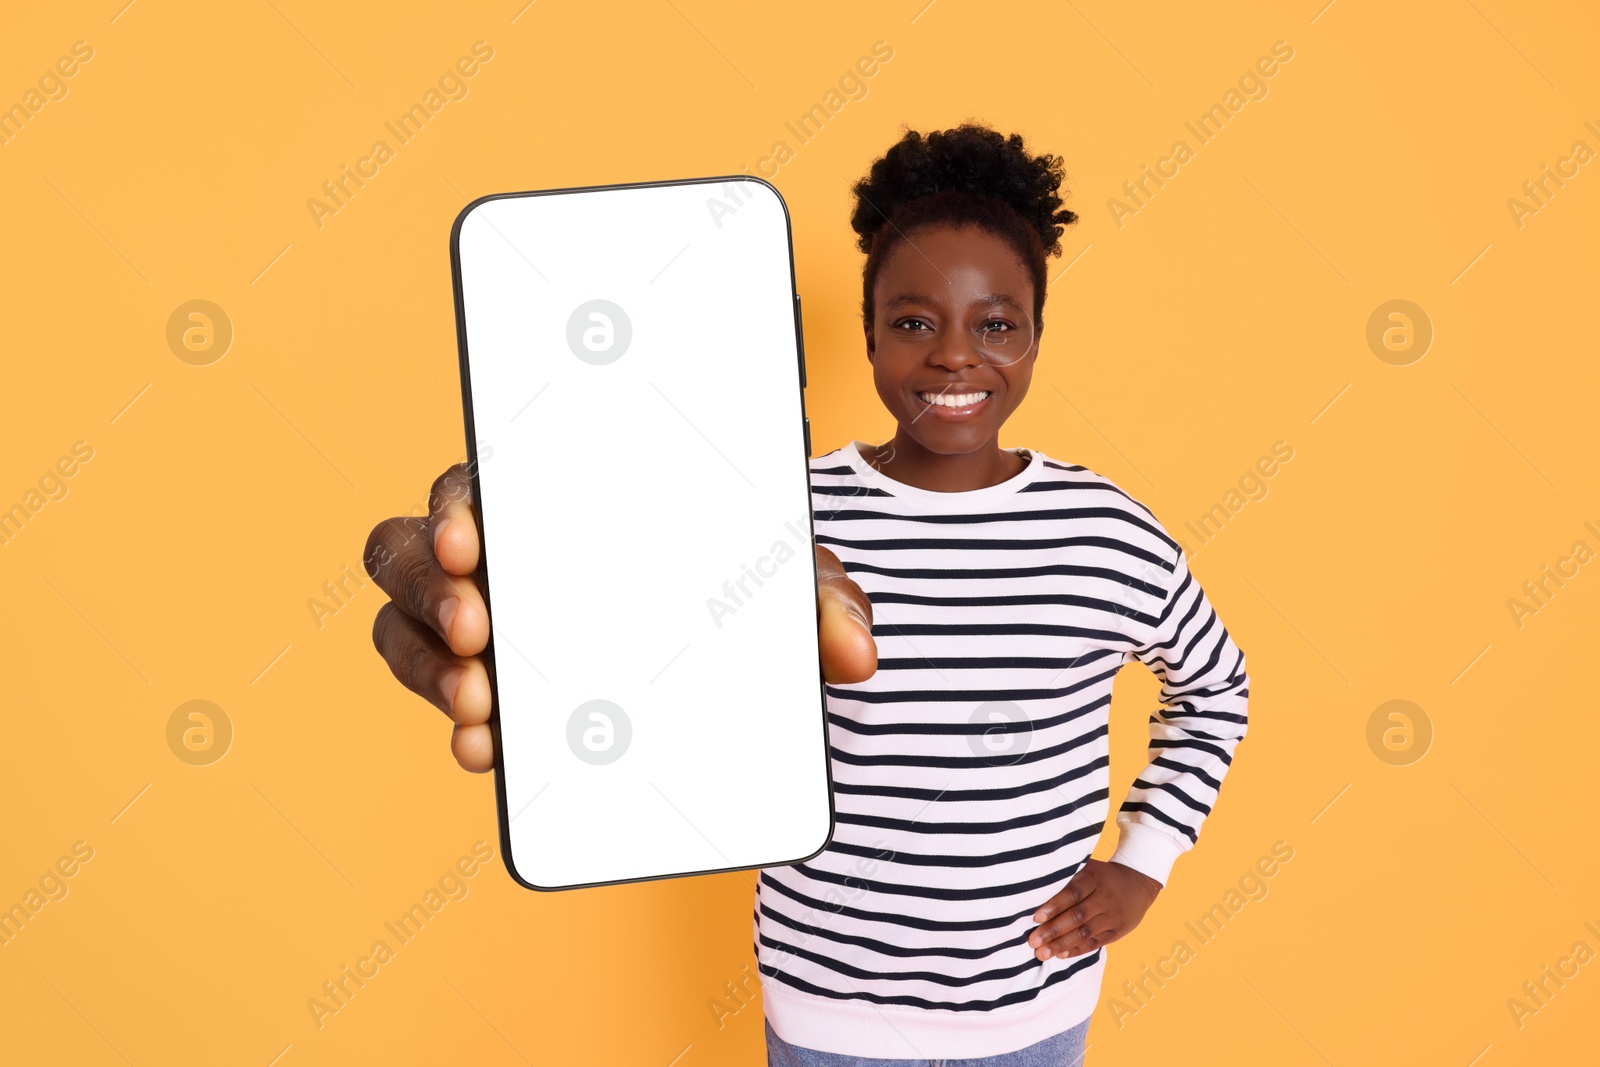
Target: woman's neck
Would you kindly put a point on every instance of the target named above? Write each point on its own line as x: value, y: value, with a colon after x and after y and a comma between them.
x: 907, y: 461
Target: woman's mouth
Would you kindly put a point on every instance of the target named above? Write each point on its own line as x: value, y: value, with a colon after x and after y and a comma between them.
x: 952, y: 405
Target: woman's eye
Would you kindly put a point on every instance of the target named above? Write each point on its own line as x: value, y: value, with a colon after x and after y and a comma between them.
x: 908, y: 323
x: 998, y: 322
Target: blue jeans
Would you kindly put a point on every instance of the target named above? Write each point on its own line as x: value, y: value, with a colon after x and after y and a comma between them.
x: 1063, y: 1050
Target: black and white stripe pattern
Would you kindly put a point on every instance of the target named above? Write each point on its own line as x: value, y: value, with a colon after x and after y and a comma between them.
x: 971, y: 772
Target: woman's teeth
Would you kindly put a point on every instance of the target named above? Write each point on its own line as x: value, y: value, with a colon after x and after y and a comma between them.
x: 953, y: 400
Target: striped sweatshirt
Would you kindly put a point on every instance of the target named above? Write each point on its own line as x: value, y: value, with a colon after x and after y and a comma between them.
x: 971, y: 772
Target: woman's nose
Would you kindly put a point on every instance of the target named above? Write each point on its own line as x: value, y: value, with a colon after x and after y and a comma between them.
x: 955, y: 352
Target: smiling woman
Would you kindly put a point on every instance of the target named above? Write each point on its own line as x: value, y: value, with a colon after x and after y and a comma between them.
x: 957, y: 911
x: 973, y: 218
x: 974, y: 605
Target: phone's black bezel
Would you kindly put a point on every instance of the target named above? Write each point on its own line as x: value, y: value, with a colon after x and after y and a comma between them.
x: 501, y: 802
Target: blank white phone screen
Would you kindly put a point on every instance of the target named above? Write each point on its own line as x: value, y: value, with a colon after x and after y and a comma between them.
x: 633, y: 386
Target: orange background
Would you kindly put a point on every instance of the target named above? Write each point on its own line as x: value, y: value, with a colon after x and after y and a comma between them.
x: 1228, y: 313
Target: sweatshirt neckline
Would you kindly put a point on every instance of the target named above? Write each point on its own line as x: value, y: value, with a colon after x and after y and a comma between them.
x: 878, y: 480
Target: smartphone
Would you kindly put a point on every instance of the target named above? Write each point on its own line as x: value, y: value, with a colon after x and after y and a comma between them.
x: 632, y: 378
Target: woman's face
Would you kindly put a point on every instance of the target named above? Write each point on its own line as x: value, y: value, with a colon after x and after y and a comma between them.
x: 953, y: 341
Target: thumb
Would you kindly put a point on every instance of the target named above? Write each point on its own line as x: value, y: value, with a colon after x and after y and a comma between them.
x: 844, y: 633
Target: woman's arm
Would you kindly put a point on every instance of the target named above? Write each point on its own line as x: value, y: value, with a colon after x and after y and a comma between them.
x: 1192, y: 737
x: 1193, y: 734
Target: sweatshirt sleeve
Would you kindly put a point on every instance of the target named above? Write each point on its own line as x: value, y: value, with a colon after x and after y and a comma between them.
x: 1202, y: 718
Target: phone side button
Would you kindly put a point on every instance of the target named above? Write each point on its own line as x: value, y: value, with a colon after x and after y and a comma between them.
x: 808, y: 438
x: 800, y: 340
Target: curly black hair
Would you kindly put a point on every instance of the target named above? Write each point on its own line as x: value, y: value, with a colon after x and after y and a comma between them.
x: 968, y: 175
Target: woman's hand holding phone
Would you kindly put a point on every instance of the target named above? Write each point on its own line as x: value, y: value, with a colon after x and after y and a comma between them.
x: 435, y: 628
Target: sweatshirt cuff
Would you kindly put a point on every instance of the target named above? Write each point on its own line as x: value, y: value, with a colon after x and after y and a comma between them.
x: 1146, y: 850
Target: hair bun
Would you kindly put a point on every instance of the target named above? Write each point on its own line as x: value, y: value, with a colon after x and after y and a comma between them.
x: 967, y: 159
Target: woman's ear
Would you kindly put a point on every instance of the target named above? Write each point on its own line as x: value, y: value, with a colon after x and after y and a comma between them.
x: 866, y: 328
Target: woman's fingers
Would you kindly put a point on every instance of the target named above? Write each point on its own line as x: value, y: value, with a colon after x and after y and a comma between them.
x: 1081, y: 928
x: 452, y: 525
x: 1075, y: 920
x: 416, y: 656
x: 436, y: 622
x: 1072, y: 894
x: 473, y: 748
x: 844, y: 636
x: 400, y: 559
x: 459, y: 688
x: 1092, y: 934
